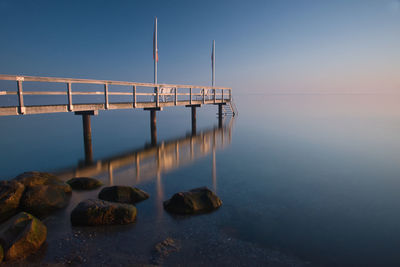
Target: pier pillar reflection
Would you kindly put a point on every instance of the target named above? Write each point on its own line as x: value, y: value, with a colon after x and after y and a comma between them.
x: 87, y: 133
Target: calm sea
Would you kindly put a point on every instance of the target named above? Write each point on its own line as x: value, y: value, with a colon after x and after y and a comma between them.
x: 304, y: 179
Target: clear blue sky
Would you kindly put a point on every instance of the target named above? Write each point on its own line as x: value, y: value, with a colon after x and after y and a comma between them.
x: 262, y: 46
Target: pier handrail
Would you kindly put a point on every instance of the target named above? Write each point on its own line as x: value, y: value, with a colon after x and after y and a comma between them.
x: 91, y: 81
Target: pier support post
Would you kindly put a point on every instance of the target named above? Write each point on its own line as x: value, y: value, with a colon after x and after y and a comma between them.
x: 194, y: 124
x: 220, y: 115
x: 87, y: 134
x: 153, y: 124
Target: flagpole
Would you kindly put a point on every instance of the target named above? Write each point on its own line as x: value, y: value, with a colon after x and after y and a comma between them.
x: 213, y: 63
x: 155, y: 50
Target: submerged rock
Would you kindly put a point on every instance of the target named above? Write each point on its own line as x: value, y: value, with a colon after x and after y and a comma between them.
x: 164, y: 249
x: 195, y: 201
x: 123, y: 194
x: 22, y: 235
x: 10, y: 195
x: 99, y: 212
x: 84, y: 183
x: 44, y: 193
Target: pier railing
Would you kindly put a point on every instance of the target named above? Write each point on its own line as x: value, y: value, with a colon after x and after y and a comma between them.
x: 161, y: 95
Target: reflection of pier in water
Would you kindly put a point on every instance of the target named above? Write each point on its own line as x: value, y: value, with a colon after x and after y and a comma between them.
x: 150, y: 162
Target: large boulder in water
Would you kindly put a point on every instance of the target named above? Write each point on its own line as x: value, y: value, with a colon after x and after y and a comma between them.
x: 99, y: 212
x: 29, y: 179
x: 123, y: 194
x: 42, y: 200
x: 10, y: 195
x: 44, y: 193
x: 22, y: 235
x: 197, y: 200
x: 84, y: 183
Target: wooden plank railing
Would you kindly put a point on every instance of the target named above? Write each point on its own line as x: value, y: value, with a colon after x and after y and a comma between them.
x: 215, y: 94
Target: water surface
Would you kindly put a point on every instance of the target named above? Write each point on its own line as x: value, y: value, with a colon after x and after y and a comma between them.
x: 304, y: 180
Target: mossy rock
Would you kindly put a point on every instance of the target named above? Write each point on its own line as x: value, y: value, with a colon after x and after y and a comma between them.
x: 34, y: 178
x: 195, y: 201
x: 84, y: 183
x: 22, y: 235
x: 44, y: 193
x: 41, y: 200
x: 98, y: 212
x: 123, y: 194
x: 10, y: 195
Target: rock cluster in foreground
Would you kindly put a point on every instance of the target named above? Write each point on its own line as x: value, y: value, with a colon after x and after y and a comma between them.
x: 38, y: 193
x: 99, y: 212
x: 198, y: 200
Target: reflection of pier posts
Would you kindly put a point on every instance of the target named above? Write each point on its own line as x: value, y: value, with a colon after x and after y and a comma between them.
x: 159, y: 186
x: 214, y: 164
x: 194, y: 128
x: 153, y: 124
x: 87, y: 134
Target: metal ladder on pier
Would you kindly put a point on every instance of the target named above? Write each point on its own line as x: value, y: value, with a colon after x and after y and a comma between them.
x: 230, y: 109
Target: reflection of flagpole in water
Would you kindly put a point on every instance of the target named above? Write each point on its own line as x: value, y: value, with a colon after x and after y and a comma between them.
x: 137, y: 165
x: 159, y: 186
x: 214, y: 165
x: 177, y: 153
x: 191, y: 148
x: 110, y: 174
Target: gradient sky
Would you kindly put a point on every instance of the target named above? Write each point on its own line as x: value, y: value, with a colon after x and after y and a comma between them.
x: 277, y: 46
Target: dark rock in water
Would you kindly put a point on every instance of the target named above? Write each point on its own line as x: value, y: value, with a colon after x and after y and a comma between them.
x: 123, y: 194
x: 22, y: 235
x: 42, y: 200
x: 42, y: 178
x: 10, y: 195
x: 44, y: 193
x: 163, y: 249
x: 99, y: 212
x: 84, y: 183
x: 197, y: 200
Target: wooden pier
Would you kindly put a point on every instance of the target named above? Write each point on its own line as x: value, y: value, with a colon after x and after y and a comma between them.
x: 148, y: 96
x: 160, y: 95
